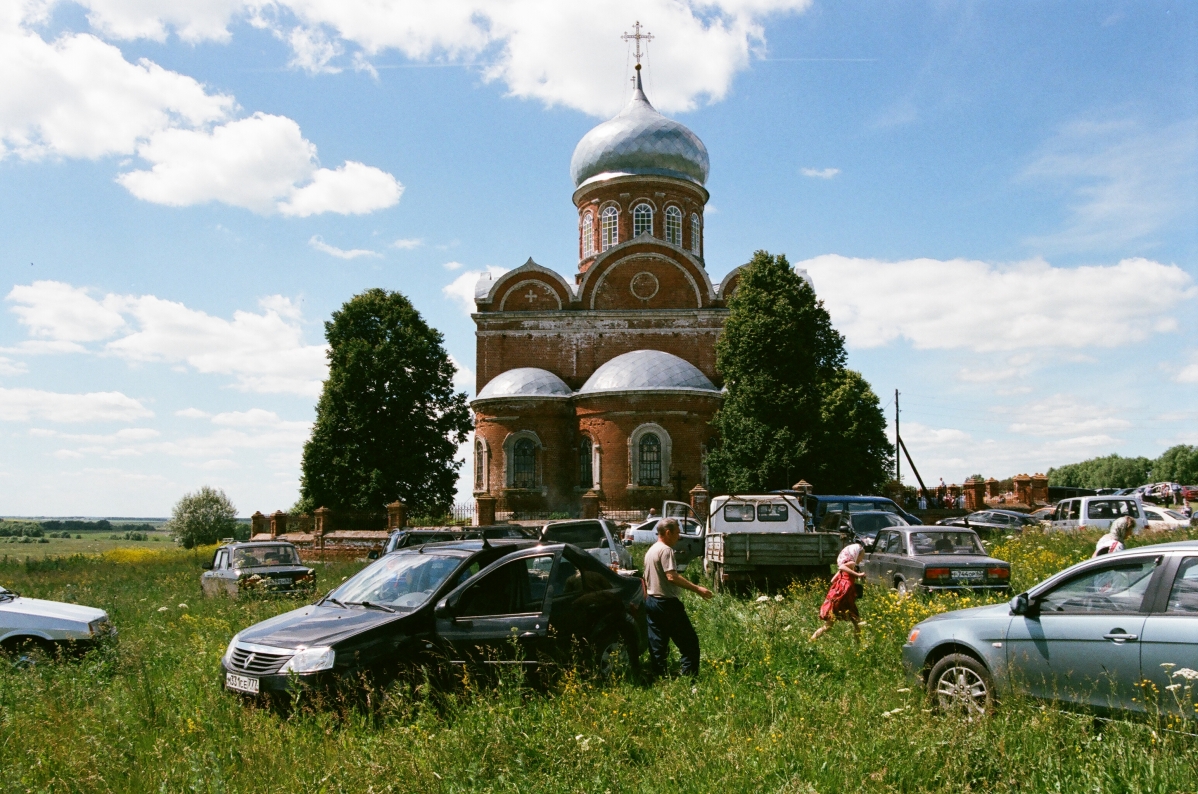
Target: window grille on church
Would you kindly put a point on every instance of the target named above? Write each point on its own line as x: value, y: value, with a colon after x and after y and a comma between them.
x: 524, y: 464
x: 588, y: 235
x: 478, y: 466
x: 674, y: 226
x: 649, y: 470
x: 586, y: 478
x: 695, y: 233
x: 642, y: 220
x: 610, y: 227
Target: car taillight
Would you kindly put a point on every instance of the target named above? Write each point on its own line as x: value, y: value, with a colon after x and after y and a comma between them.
x: 998, y: 573
x: 937, y: 573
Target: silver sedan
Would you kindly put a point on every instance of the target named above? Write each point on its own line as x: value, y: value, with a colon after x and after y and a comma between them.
x: 1087, y: 636
x: 33, y: 630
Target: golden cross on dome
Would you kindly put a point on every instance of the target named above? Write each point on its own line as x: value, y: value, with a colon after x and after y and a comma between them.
x: 638, y: 37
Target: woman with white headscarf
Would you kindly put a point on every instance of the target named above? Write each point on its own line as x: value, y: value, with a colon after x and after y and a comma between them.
x: 841, y: 601
x: 1112, y: 541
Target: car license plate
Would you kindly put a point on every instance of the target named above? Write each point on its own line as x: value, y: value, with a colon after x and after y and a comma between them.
x: 281, y: 582
x: 969, y: 575
x: 241, y: 683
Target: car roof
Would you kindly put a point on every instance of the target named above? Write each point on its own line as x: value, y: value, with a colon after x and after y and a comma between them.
x: 245, y: 543
x: 933, y: 528
x: 1015, y: 513
x: 823, y: 498
x: 467, y: 547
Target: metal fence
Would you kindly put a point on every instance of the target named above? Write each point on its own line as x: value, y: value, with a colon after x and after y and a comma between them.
x: 631, y: 516
x: 461, y: 514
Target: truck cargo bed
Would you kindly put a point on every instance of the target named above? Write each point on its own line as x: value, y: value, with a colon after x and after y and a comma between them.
x: 752, y: 550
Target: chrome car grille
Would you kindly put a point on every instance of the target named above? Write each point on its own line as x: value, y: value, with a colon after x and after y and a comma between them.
x: 258, y: 662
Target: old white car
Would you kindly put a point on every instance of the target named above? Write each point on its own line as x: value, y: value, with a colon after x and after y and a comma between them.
x: 33, y: 630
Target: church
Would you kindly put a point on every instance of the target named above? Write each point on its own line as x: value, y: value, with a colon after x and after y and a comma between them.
x: 606, y: 386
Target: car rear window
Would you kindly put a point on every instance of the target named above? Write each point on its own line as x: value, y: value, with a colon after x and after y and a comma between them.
x: 946, y: 543
x: 772, y: 512
x: 738, y: 511
x: 1111, y: 508
x: 871, y: 524
x: 584, y: 536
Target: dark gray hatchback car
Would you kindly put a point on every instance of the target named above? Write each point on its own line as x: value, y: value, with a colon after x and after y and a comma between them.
x: 927, y: 559
x: 1087, y: 636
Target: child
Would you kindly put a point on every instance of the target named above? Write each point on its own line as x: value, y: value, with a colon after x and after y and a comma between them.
x: 841, y: 601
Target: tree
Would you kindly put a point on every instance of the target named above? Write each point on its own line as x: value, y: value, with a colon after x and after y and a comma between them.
x: 1112, y: 471
x: 792, y: 410
x: 1178, y: 464
x: 203, y: 518
x: 389, y: 421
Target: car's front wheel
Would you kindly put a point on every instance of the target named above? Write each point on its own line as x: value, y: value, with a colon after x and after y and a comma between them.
x: 28, y: 652
x: 900, y: 585
x: 615, y: 654
x: 960, y: 684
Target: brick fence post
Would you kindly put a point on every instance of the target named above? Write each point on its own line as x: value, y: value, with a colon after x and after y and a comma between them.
x: 321, y: 517
x: 993, y: 488
x: 1039, y: 490
x: 699, y: 503
x: 396, y: 514
x: 258, y: 524
x: 278, y: 524
x: 484, y: 510
x: 975, y: 494
x: 590, y: 504
x: 1023, y: 489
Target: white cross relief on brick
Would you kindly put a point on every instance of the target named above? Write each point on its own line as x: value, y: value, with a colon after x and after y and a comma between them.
x: 532, y: 296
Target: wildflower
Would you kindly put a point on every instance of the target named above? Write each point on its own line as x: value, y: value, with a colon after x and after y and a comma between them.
x: 1168, y: 666
x: 778, y: 597
x: 904, y: 689
x: 183, y: 606
x: 1173, y: 687
x: 762, y: 598
x: 1187, y: 674
x: 163, y: 609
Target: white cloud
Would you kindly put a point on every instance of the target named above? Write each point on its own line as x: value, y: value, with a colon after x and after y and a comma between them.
x: 260, y: 163
x: 23, y: 405
x: 407, y: 243
x: 1063, y: 415
x: 264, y: 352
x: 193, y: 413
x: 1125, y: 182
x: 461, y: 289
x: 60, y: 312
x: 820, y: 173
x: 979, y: 306
x: 341, y: 253
x: 558, y: 53
x: 452, y: 266
x: 1188, y: 373
x: 463, y: 376
x: 79, y: 97
x: 10, y: 367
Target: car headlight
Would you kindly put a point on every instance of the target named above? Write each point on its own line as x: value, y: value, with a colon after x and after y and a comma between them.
x: 228, y: 658
x: 99, y: 627
x: 309, y: 660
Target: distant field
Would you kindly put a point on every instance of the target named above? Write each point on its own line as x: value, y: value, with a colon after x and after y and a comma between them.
x: 90, y: 543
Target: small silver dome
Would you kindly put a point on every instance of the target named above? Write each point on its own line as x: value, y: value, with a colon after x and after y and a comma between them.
x: 524, y: 382
x: 647, y: 370
x: 639, y: 141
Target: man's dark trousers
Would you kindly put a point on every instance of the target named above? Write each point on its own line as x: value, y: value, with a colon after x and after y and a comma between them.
x: 668, y: 620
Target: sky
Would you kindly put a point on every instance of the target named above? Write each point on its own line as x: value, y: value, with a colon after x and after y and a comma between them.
x: 997, y: 202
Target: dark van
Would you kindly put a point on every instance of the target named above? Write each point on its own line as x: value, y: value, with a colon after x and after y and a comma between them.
x: 819, y: 506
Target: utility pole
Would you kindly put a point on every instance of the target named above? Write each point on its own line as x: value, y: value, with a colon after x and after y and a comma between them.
x: 898, y: 439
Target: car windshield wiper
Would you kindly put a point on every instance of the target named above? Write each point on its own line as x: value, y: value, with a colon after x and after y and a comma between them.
x: 370, y: 605
x: 335, y: 601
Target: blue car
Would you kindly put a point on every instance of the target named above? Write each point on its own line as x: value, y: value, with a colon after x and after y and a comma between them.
x: 1087, y: 636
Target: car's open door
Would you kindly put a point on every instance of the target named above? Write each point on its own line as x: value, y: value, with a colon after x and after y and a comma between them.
x: 690, y: 542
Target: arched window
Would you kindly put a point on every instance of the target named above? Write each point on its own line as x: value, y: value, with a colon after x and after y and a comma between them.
x: 480, y: 483
x: 609, y: 231
x: 695, y: 233
x: 649, y: 454
x: 642, y: 220
x: 674, y: 226
x: 588, y: 235
x: 586, y: 476
x: 524, y: 464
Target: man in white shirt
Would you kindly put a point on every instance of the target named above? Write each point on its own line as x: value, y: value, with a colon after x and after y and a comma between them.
x: 664, y: 611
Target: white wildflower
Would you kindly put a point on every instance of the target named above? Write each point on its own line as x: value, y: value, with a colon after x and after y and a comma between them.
x: 1173, y: 687
x: 1187, y: 674
x: 762, y: 598
x: 163, y: 609
x: 778, y: 597
x: 1168, y: 666
x: 904, y: 689
x: 183, y: 606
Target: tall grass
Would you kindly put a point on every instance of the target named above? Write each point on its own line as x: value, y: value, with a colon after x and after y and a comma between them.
x: 770, y: 712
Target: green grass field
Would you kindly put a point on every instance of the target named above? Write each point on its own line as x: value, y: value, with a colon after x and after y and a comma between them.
x: 88, y: 543
x: 771, y: 712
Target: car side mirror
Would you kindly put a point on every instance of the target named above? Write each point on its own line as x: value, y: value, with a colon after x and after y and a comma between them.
x: 373, y: 555
x: 207, y: 566
x: 1022, y: 605
x: 604, y: 544
x: 443, y: 610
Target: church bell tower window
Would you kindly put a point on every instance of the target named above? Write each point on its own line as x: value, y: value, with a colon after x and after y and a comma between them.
x: 674, y: 226
x: 696, y: 233
x: 588, y: 235
x: 610, y: 218
x: 642, y: 220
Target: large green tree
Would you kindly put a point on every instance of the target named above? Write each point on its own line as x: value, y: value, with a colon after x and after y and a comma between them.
x: 792, y: 409
x: 389, y: 420
x: 1177, y: 464
x: 203, y: 518
x: 1112, y: 471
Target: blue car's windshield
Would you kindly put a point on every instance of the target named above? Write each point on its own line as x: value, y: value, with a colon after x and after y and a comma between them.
x: 399, y: 581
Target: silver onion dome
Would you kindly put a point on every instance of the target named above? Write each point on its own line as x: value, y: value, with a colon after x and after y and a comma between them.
x: 647, y: 370
x: 639, y: 141
x: 524, y: 382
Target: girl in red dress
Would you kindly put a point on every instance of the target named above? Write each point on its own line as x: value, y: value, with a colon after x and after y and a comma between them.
x: 841, y: 602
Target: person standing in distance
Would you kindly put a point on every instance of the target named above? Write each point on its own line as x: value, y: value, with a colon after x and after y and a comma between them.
x: 664, y: 611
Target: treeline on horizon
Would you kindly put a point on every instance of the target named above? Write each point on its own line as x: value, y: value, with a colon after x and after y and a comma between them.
x: 24, y: 528
x: 1178, y: 464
